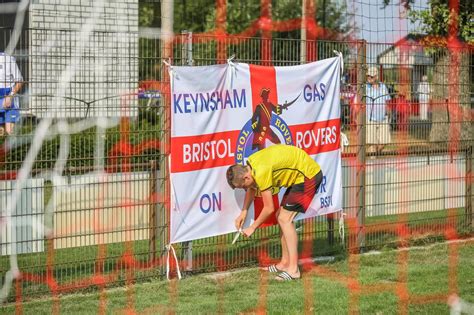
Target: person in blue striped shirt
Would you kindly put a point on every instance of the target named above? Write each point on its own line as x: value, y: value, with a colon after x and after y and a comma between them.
x: 377, y: 95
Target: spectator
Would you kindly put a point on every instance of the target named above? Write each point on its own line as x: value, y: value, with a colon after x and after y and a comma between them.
x: 378, y: 129
x: 424, y: 91
x: 11, y: 83
x: 402, y: 111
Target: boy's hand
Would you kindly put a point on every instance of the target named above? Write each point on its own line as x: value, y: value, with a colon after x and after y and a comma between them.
x: 248, y: 231
x: 239, y: 221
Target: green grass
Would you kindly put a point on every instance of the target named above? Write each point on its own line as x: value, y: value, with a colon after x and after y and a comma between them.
x: 74, y: 264
x: 242, y: 291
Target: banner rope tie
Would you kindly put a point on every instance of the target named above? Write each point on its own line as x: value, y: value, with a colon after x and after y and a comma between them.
x: 341, y: 228
x: 231, y: 72
x: 171, y: 72
x: 169, y: 249
x: 339, y: 54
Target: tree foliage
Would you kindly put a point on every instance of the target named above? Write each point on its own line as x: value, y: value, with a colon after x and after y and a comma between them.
x: 436, y: 21
x: 200, y: 16
x: 437, y: 18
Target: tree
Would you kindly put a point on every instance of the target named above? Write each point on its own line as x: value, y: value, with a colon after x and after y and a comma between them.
x: 200, y: 17
x: 329, y: 15
x: 436, y: 20
x: 439, y: 21
x: 449, y: 37
x: 441, y: 25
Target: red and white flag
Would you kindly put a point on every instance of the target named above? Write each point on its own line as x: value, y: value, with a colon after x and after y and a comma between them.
x: 222, y: 114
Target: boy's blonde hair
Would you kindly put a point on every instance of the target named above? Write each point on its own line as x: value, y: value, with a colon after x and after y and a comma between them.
x: 235, y: 175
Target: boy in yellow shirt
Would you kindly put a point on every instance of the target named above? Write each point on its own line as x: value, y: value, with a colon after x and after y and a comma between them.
x: 275, y: 167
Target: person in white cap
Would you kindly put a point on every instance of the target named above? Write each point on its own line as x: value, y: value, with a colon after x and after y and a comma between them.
x: 378, y: 129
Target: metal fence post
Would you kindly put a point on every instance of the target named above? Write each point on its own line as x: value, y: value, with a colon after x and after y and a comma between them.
x: 361, y: 140
x: 187, y: 48
x: 187, y: 59
x: 166, y: 52
x: 152, y: 220
x: 468, y: 182
x: 330, y: 220
x: 303, y: 41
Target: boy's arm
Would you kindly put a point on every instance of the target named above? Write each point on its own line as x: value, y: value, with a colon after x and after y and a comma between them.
x: 268, y: 208
x: 249, y: 197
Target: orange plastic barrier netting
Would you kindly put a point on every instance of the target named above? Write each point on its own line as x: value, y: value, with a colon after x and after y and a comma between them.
x: 121, y: 153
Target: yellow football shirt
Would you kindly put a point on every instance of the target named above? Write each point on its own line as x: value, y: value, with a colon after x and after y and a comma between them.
x: 281, y: 166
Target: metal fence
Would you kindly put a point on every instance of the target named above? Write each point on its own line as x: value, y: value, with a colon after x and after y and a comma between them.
x: 84, y: 198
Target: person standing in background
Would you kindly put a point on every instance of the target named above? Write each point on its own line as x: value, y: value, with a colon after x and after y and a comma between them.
x: 424, y: 91
x: 401, y: 111
x: 376, y: 97
x: 11, y: 82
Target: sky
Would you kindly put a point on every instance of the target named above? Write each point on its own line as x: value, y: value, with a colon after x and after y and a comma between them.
x: 381, y: 25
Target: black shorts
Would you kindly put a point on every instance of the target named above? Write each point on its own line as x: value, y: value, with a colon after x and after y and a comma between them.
x: 298, y: 197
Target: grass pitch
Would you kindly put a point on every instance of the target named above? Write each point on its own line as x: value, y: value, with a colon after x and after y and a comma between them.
x: 427, y: 272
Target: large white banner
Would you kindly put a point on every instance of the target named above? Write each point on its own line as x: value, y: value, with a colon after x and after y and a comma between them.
x: 213, y: 108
